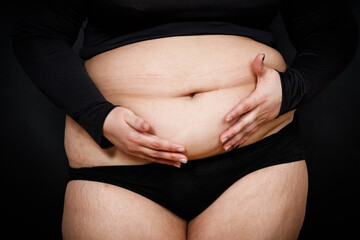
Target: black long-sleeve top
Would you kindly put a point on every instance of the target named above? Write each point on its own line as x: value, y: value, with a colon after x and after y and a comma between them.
x: 324, y: 34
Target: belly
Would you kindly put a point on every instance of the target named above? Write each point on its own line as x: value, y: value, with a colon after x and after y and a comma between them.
x: 183, y: 86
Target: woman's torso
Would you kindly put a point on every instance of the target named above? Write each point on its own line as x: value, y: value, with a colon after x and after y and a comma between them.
x: 156, y: 79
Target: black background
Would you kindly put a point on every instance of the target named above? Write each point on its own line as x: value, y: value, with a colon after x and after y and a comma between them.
x: 34, y: 164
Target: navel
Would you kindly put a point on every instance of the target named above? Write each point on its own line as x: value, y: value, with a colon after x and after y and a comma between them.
x: 192, y: 94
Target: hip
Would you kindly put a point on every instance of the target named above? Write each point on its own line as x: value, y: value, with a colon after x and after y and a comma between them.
x: 182, y: 86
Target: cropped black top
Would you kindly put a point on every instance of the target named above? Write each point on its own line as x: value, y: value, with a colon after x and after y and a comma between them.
x: 324, y: 33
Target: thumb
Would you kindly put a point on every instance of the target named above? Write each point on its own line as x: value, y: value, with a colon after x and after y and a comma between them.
x: 258, y: 64
x: 137, y: 122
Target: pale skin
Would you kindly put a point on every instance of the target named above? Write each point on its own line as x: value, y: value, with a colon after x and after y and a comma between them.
x: 265, y: 204
x: 235, y: 215
x: 261, y: 106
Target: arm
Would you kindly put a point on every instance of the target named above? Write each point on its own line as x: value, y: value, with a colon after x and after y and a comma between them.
x: 42, y: 41
x: 43, y: 35
x: 325, y: 35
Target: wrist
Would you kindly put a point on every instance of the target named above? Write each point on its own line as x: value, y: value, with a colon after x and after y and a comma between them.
x: 105, y: 129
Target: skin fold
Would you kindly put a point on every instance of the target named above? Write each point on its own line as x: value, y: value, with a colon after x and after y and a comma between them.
x: 183, y: 89
x: 175, y: 95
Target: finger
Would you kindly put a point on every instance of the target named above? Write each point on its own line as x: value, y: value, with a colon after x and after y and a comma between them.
x: 258, y: 64
x: 156, y: 143
x: 136, y: 139
x: 157, y: 160
x: 243, y: 122
x: 246, y: 134
x: 137, y: 122
x: 241, y: 141
x: 238, y: 135
x: 170, y: 156
x: 243, y: 107
x: 162, y: 161
x: 153, y: 146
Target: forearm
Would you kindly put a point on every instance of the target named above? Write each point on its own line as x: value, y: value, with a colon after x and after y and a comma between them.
x: 325, y: 45
x: 42, y: 41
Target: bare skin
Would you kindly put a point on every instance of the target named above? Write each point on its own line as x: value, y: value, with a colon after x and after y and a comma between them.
x: 174, y: 86
x: 267, y: 204
x: 261, y: 205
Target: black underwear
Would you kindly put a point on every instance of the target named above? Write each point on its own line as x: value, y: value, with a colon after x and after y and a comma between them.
x: 189, y: 190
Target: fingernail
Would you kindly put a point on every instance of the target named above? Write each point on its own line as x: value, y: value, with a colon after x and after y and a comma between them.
x: 228, y: 119
x: 183, y: 160
x: 178, y: 165
x: 227, y: 148
x: 180, y: 149
x: 224, y: 139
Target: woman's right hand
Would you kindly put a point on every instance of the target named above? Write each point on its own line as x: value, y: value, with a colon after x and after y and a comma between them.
x: 128, y: 132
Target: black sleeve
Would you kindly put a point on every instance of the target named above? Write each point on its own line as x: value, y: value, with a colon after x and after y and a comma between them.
x: 43, y: 35
x: 325, y: 35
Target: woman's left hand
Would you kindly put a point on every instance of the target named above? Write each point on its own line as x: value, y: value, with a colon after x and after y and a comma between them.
x: 261, y: 106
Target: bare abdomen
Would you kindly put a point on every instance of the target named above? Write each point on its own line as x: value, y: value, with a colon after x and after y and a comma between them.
x: 183, y: 86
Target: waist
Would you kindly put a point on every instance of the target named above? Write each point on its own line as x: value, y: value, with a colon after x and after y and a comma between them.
x: 179, y: 66
x: 183, y: 86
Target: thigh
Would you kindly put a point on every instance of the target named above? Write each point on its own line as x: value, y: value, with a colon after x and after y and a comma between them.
x: 95, y: 210
x: 266, y: 204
